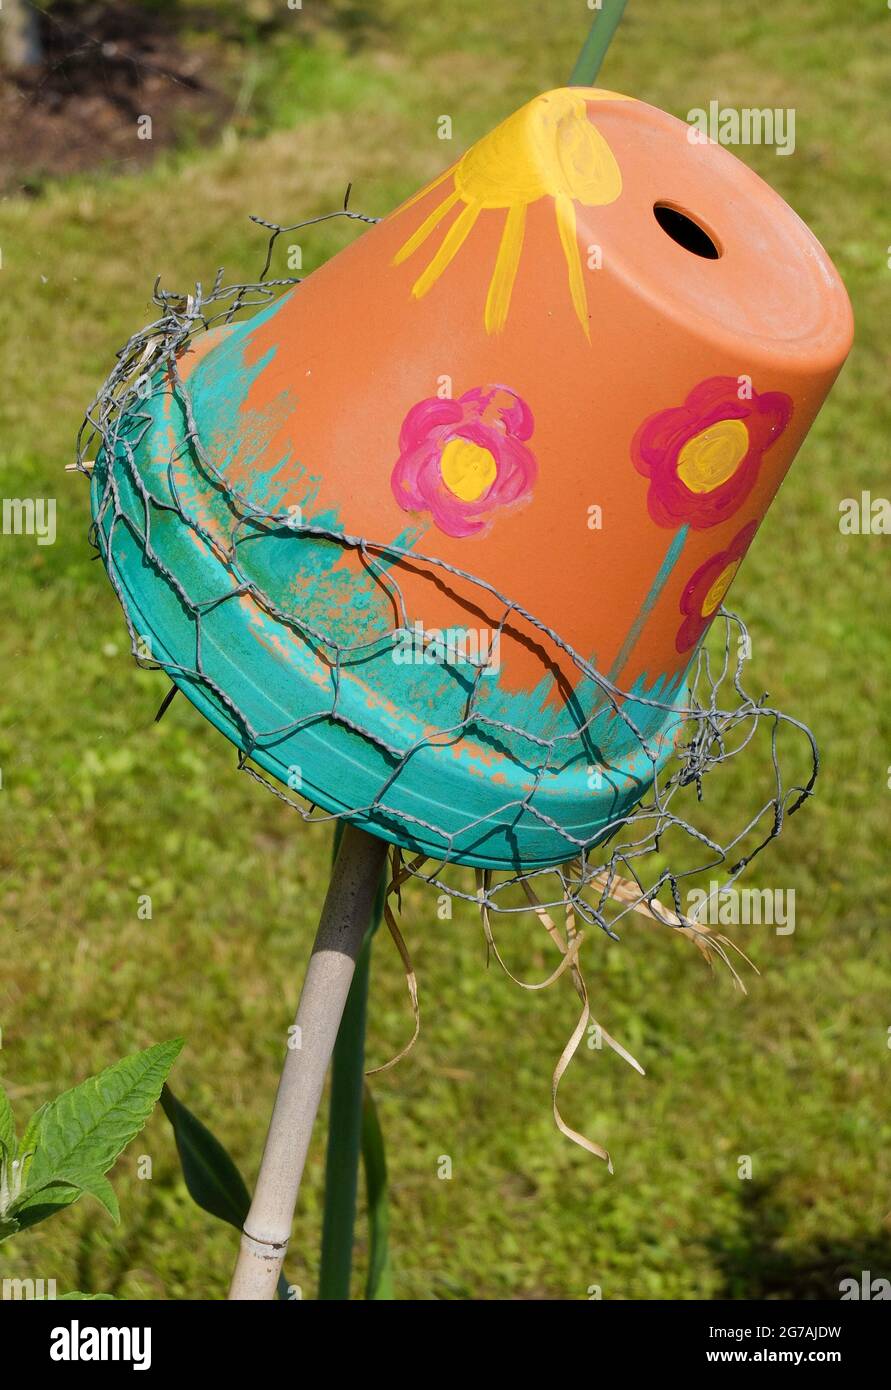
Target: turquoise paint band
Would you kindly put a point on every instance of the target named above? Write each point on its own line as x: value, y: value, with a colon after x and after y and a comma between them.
x: 512, y: 788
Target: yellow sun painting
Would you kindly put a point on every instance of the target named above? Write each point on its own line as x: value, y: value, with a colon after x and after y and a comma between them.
x: 547, y: 149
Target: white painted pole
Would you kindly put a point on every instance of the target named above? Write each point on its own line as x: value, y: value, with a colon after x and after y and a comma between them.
x: 345, y: 918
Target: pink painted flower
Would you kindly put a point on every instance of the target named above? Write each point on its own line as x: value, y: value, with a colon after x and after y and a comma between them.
x: 461, y: 460
x: 705, y: 590
x: 703, y: 457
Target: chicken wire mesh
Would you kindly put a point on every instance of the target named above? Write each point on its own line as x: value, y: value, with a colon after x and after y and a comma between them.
x: 638, y: 860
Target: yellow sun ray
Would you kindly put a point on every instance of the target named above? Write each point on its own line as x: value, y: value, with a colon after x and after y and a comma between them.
x: 548, y: 149
x: 426, y: 227
x: 451, y: 244
x: 501, y: 285
x: 565, y: 210
x: 428, y: 188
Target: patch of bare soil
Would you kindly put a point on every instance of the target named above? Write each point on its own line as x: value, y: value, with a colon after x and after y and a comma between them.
x: 106, y: 65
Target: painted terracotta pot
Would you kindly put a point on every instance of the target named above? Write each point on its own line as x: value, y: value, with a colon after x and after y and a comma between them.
x: 575, y: 367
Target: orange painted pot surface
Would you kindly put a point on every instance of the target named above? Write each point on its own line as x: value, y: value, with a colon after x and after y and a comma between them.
x: 577, y: 367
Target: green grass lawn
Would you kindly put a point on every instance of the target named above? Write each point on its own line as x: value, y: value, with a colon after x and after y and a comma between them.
x: 99, y: 806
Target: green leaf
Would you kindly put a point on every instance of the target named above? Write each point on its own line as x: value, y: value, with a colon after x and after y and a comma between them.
x: 8, y: 1227
x: 36, y: 1204
x: 7, y: 1124
x: 83, y: 1131
x: 30, y: 1139
x: 212, y: 1178
x: 99, y: 1187
x: 92, y: 1297
x: 379, y: 1282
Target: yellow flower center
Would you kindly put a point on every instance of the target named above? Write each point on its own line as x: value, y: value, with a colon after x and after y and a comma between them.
x: 712, y: 456
x: 467, y: 469
x: 716, y: 593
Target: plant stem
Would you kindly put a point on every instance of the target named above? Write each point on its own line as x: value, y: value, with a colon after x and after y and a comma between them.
x: 379, y: 1282
x: 590, y: 60
x: 345, y: 1127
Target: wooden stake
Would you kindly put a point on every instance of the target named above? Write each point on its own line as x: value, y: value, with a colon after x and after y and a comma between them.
x: 345, y: 917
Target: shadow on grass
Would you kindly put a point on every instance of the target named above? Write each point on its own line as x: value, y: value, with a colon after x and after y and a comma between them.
x: 754, y: 1264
